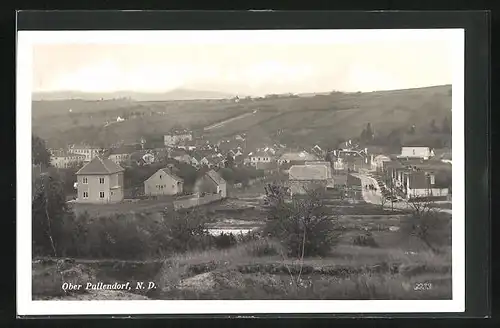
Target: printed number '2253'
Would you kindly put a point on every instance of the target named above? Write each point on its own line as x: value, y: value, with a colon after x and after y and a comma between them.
x: 423, y: 286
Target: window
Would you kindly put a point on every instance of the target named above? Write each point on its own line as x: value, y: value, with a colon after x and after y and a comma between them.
x: 101, y: 180
x: 101, y: 194
x: 160, y: 176
x: 85, y: 180
x: 85, y: 195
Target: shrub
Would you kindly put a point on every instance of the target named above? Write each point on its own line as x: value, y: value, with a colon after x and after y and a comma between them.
x: 301, y: 225
x: 224, y: 240
x: 264, y: 247
x: 365, y: 240
x: 127, y: 236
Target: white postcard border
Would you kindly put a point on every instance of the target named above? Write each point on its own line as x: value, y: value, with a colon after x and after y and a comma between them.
x: 25, y: 304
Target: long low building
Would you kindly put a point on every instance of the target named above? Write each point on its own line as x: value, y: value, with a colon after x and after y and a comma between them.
x: 302, y: 178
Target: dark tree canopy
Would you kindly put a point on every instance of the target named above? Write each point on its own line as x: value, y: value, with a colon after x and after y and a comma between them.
x: 446, y: 126
x: 433, y: 126
x: 229, y: 163
x: 39, y: 152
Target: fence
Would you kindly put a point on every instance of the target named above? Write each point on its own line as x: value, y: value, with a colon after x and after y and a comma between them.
x: 196, y: 201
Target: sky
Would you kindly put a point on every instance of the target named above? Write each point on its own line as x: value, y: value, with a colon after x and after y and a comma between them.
x: 244, y: 68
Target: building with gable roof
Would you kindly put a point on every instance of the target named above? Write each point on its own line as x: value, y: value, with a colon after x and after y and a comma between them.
x: 211, y: 183
x: 163, y: 182
x: 302, y: 178
x: 100, y: 181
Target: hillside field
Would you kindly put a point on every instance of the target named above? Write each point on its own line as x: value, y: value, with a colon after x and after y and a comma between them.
x: 320, y: 119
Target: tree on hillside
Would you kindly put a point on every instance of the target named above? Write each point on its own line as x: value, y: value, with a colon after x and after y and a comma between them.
x: 446, y: 126
x: 433, y: 127
x: 229, y: 162
x: 302, y: 224
x: 49, y: 213
x: 39, y: 153
x: 412, y: 129
x: 426, y: 223
x: 367, y: 134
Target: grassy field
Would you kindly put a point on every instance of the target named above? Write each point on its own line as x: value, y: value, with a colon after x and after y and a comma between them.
x: 257, y: 270
x: 392, y: 268
x: 311, y: 120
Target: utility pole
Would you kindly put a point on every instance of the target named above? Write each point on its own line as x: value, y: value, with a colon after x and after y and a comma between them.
x: 392, y: 195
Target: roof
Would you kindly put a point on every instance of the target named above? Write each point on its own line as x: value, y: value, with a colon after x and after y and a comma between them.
x: 216, y: 177
x: 123, y: 150
x: 381, y: 158
x: 261, y: 154
x: 100, y: 165
x: 308, y: 172
x: 300, y: 156
x: 167, y: 171
x: 84, y: 147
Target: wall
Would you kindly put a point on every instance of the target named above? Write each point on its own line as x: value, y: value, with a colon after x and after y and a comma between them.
x: 116, y: 194
x: 205, y: 185
x: 170, y: 186
x: 196, y: 201
x: 412, y: 193
x: 93, y: 187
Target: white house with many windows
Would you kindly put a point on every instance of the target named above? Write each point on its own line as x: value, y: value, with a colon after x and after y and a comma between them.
x: 100, y: 181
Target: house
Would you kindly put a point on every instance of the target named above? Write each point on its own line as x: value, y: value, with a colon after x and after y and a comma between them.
x: 196, y: 159
x: 422, y: 184
x: 302, y: 178
x: 296, y: 158
x: 148, y: 158
x: 211, y: 183
x: 351, y: 159
x: 88, y: 151
x: 176, y: 137
x: 378, y: 162
x: 180, y: 156
x: 121, y: 154
x: 262, y: 160
x: 100, y: 181
x: 163, y: 182
x: 416, y: 152
x: 62, y: 159
x: 316, y: 150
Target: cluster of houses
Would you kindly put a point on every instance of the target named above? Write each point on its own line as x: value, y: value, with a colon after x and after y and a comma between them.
x: 101, y: 181
x: 101, y: 177
x: 412, y: 174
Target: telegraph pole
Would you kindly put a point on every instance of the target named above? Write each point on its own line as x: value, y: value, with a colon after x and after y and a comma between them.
x: 392, y: 194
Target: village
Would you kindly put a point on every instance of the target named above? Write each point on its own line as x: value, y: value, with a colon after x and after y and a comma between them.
x: 102, y: 182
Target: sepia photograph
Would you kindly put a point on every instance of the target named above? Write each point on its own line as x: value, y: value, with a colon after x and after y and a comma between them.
x: 264, y: 166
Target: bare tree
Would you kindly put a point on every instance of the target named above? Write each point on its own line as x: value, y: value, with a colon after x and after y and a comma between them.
x: 302, y: 225
x: 424, y: 220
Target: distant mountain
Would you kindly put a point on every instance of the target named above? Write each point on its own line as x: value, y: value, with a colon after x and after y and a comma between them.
x: 177, y: 94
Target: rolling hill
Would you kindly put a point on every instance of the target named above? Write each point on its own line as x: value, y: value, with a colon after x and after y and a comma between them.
x: 176, y: 94
x: 321, y: 119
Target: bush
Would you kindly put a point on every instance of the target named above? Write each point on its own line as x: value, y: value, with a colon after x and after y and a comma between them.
x: 264, y: 247
x: 301, y: 225
x: 224, y: 240
x: 126, y: 236
x: 365, y: 240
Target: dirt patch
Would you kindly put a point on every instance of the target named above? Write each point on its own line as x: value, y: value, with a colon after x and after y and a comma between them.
x: 96, y: 296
